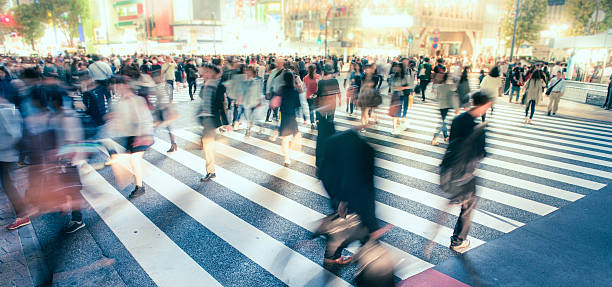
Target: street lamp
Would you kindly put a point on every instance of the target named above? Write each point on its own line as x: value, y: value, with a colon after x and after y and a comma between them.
x: 516, y: 14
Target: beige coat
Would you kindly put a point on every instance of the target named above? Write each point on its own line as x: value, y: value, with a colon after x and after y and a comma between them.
x: 534, y: 90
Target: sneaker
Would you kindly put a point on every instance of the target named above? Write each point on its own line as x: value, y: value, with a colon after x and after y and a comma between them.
x: 363, y: 131
x: 529, y: 121
x: 313, y: 126
x: 526, y: 120
x: 434, y: 142
x: 460, y: 246
x: 138, y: 191
x: 73, y: 226
x: 208, y: 177
x: 549, y: 113
x: 554, y: 114
x: 19, y: 222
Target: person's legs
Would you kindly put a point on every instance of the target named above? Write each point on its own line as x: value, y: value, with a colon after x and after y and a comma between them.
x: 311, y: 110
x: 208, y: 145
x: 9, y: 188
x: 556, y: 100
x: 136, y: 164
x: 424, y: 84
x: 404, y: 101
x: 532, y: 103
x: 171, y: 90
x: 365, y: 115
x: 464, y: 222
x: 286, y: 150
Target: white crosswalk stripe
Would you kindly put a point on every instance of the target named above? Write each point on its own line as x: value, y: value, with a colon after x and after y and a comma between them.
x: 531, y: 172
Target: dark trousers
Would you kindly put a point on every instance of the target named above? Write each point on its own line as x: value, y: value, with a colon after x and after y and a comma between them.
x: 192, y: 85
x: 531, y: 105
x: 404, y: 102
x: 311, y: 110
x: 270, y: 111
x: 464, y: 222
x: 9, y: 188
x: 423, y: 85
x: 608, y: 103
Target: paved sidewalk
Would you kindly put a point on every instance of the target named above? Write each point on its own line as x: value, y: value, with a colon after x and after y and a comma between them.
x: 569, y: 247
x: 13, y: 265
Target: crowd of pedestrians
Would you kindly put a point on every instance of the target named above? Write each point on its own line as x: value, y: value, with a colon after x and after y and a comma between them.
x: 52, y: 111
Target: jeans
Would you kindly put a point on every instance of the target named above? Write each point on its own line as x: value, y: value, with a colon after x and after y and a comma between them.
x: 404, y: 100
x: 171, y: 90
x: 192, y: 84
x: 531, y: 105
x: 423, y: 85
x: 464, y: 222
x: 516, y: 89
x: 311, y: 110
x: 442, y: 128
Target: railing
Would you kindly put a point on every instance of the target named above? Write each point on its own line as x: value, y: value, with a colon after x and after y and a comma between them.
x: 586, y: 93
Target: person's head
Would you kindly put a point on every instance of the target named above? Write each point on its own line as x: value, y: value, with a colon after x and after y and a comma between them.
x: 560, y: 74
x: 280, y: 63
x: 95, y: 57
x: 251, y: 72
x: 328, y: 69
x: 482, y: 72
x: 440, y: 61
x: 481, y: 102
x: 288, y: 80
x: 31, y: 74
x: 211, y: 72
x: 357, y: 67
x: 426, y: 60
x: 494, y: 72
x: 311, y: 71
x: 398, y: 70
x: 368, y: 69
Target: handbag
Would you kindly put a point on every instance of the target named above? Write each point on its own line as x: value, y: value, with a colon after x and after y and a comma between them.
x: 369, y: 98
x: 275, y: 102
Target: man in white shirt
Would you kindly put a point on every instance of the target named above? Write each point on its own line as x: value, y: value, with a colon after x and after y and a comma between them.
x: 557, y: 88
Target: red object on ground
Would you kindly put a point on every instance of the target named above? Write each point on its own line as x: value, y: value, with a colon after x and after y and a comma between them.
x: 431, y: 278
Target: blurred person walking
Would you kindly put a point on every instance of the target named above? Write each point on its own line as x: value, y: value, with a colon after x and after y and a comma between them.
x: 490, y: 85
x: 352, y: 92
x: 328, y: 89
x: 369, y: 98
x: 533, y: 94
x: 465, y: 151
x: 168, y: 72
x: 446, y: 96
x: 253, y: 97
x: 424, y: 76
x: 311, y: 81
x: 211, y: 115
x: 399, y: 83
x: 288, y: 130
x: 192, y: 75
x: 101, y: 73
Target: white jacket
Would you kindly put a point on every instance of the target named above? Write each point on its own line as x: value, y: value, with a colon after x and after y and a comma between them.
x: 10, y: 131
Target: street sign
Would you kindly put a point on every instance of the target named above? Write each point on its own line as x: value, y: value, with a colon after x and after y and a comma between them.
x: 435, y: 46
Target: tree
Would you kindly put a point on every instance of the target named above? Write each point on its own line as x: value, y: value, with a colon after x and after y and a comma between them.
x: 530, y: 21
x: 66, y: 15
x: 28, y: 18
x: 578, y: 13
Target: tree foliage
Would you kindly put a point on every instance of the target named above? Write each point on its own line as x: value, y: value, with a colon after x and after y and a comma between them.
x: 578, y: 14
x: 66, y: 15
x: 27, y: 18
x: 530, y: 21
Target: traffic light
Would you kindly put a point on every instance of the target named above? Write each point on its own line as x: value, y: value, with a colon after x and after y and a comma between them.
x: 410, y: 38
x: 6, y: 20
x: 319, y: 40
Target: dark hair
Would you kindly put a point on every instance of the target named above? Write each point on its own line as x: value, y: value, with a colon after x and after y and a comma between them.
x: 31, y: 73
x: 464, y: 74
x: 440, y: 60
x: 494, y: 72
x: 213, y: 68
x: 95, y: 57
x: 288, y: 80
x: 311, y: 71
x: 400, y: 65
x: 480, y: 98
x: 426, y: 60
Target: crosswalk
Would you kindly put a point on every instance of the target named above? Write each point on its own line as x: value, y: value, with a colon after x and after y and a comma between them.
x: 252, y: 225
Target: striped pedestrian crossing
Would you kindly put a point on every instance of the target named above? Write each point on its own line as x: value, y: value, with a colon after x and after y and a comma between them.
x: 266, y: 212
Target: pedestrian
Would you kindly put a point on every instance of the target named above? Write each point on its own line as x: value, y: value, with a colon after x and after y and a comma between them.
x: 399, y: 83
x: 311, y: 81
x: 168, y: 72
x: 424, y: 76
x: 101, y: 72
x: 466, y: 149
x: 11, y: 132
x: 192, y: 75
x: 608, y: 102
x: 369, y: 98
x: 253, y: 97
x: 463, y: 89
x: 328, y: 89
x: 481, y: 77
x: 406, y: 97
x: 533, y: 94
x: 516, y: 82
x: 490, y: 85
x: 132, y: 123
x: 288, y: 129
x: 445, y: 103
x: 211, y: 115
x: 556, y: 88
x: 273, y: 85
x: 352, y: 92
